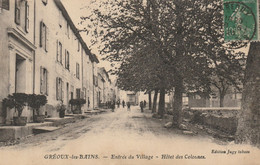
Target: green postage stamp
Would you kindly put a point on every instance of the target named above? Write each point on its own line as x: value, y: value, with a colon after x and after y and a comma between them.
x: 240, y: 20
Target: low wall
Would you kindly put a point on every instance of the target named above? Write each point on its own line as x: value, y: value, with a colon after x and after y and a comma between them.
x: 223, y: 119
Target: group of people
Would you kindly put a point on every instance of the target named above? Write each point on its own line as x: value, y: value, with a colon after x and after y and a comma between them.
x: 112, y: 105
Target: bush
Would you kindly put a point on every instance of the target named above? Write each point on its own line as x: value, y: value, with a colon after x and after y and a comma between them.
x: 36, y: 101
x: 78, y: 103
x: 17, y: 101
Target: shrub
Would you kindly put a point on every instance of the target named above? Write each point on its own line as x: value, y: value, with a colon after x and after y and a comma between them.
x: 17, y: 101
x: 36, y: 101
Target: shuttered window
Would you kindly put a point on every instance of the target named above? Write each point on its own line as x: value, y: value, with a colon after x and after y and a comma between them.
x: 59, y: 52
x: 17, y: 14
x: 27, y: 17
x: 43, y: 81
x: 67, y: 60
x: 44, y: 36
x: 59, y: 89
x: 77, y: 70
x: 78, y: 93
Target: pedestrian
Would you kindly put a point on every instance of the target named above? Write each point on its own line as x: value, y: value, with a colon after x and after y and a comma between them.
x: 144, y: 103
x: 88, y: 102
x: 142, y: 106
x: 113, y: 106
x: 123, y: 103
x: 128, y: 106
x: 118, y: 103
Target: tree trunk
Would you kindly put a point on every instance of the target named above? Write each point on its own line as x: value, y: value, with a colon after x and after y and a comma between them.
x: 150, y: 100
x: 248, y: 130
x: 155, y: 100
x: 161, y: 102
x: 221, y: 99
x: 177, y: 103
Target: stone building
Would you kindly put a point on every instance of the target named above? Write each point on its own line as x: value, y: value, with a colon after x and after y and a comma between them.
x: 42, y: 52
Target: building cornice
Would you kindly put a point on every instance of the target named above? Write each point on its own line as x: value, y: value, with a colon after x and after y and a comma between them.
x: 13, y: 32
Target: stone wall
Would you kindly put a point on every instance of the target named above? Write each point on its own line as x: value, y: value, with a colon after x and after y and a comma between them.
x: 224, y: 120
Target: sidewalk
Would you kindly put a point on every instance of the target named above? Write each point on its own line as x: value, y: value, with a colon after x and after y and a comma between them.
x: 8, y: 133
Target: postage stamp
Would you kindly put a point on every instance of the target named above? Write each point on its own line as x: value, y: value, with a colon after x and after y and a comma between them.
x: 240, y: 20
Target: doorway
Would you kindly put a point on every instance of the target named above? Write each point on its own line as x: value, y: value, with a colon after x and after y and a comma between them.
x: 20, y: 75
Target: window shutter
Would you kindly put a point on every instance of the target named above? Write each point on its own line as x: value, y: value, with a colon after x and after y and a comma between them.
x: 41, y: 35
x: 41, y: 79
x: 57, y: 51
x: 5, y: 4
x: 57, y: 88
x: 68, y: 61
x: 26, y: 16
x: 17, y: 12
x: 66, y: 58
x: 62, y: 92
x: 46, y: 38
x: 60, y: 52
x: 82, y: 95
x: 47, y: 84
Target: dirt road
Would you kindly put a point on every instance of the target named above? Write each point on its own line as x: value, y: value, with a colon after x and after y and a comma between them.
x: 124, y: 137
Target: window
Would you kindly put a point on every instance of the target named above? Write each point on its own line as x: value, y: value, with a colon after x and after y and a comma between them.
x: 68, y: 30
x: 59, y: 52
x: 43, y: 36
x: 43, y: 81
x: 45, y: 2
x: 17, y: 12
x: 67, y: 60
x: 78, y: 46
x: 84, y: 93
x: 60, y: 19
x: 59, y: 88
x: 72, y: 91
x: 78, y: 92
x: 77, y: 70
x: 4, y: 5
x: 95, y: 79
x: 26, y: 16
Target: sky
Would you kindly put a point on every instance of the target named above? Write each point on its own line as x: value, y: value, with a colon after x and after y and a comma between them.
x: 76, y: 9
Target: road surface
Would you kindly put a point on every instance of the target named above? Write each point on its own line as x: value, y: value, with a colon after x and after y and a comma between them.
x: 124, y: 137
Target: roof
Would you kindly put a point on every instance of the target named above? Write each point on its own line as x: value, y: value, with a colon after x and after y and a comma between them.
x: 59, y: 4
x: 104, y: 70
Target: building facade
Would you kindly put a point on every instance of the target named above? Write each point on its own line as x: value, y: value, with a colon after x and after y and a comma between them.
x: 42, y: 52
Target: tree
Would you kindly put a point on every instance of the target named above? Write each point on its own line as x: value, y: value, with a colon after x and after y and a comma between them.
x: 155, y: 100
x: 185, y: 38
x: 248, y: 130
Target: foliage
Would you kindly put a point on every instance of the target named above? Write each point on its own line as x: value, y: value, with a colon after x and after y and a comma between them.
x: 17, y: 101
x: 166, y: 44
x: 36, y: 101
x: 78, y: 102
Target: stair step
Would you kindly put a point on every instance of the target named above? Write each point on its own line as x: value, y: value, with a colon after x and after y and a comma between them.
x: 38, y: 130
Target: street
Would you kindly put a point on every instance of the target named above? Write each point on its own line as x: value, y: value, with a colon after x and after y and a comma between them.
x: 115, y: 137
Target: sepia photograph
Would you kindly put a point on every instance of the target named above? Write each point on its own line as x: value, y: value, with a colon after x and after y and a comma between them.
x: 129, y: 82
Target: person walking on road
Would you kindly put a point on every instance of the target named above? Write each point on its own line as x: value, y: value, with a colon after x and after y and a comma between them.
x: 113, y: 106
x: 123, y: 104
x: 128, y: 106
x: 118, y: 103
x: 142, y: 106
x: 144, y: 103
